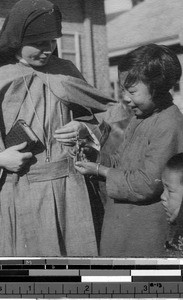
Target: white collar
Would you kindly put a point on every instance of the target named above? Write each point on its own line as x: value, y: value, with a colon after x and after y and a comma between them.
x: 22, y: 60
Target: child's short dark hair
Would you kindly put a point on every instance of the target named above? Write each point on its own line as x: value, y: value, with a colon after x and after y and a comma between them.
x: 175, y: 163
x: 156, y: 66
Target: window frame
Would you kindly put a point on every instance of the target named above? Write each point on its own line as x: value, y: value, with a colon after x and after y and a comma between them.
x: 76, y: 51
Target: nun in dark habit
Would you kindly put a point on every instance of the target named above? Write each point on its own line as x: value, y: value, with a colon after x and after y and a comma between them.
x: 45, y: 206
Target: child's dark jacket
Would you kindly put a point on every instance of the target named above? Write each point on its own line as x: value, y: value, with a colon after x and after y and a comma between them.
x: 135, y: 222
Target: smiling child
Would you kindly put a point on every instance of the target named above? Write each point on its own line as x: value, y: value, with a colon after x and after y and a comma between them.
x: 135, y: 222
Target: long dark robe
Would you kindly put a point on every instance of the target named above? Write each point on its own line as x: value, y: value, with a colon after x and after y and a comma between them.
x: 46, y: 210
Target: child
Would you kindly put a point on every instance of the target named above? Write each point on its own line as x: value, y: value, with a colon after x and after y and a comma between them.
x: 172, y: 197
x: 134, y: 221
x: 45, y: 208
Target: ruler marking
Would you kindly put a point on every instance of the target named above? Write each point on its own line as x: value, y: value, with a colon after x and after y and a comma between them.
x: 101, y: 290
x: 158, y: 289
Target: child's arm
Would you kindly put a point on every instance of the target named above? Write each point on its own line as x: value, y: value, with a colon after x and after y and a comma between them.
x: 143, y: 183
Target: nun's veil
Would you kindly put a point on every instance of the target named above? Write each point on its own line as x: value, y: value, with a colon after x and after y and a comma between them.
x: 28, y: 21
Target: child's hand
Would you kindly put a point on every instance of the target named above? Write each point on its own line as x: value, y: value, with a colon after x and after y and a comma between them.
x: 90, y: 168
x: 86, y: 168
x: 12, y: 159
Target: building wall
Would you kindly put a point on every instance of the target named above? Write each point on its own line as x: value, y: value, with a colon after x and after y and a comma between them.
x: 85, y: 19
x: 95, y: 40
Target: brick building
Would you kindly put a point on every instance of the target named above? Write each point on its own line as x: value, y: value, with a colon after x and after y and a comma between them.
x: 151, y: 21
x: 84, y: 37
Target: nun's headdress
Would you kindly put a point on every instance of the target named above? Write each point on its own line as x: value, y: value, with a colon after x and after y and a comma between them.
x: 29, y: 21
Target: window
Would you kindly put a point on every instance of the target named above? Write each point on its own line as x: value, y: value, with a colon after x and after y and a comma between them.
x: 69, y: 48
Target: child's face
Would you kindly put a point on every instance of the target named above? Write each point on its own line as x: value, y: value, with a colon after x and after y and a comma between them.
x: 37, y: 54
x: 137, y: 97
x: 173, y: 193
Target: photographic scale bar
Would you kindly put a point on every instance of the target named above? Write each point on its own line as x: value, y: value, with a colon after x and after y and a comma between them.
x: 91, y: 278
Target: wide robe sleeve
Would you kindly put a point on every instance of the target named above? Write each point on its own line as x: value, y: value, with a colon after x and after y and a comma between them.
x: 143, y: 183
x: 82, y: 99
x: 68, y: 85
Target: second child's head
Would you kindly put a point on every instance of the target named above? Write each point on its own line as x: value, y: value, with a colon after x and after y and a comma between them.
x: 172, y: 179
x: 146, y: 75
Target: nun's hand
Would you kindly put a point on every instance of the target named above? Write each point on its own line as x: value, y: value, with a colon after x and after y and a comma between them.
x: 13, y: 159
x: 69, y: 133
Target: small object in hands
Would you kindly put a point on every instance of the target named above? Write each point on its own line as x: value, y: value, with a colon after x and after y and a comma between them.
x: 79, y: 156
x: 19, y: 133
x: 77, y: 149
